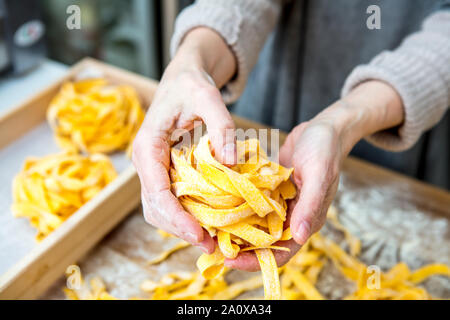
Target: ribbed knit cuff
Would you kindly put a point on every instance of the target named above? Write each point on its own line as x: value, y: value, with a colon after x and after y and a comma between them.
x: 227, y: 23
x: 420, y: 72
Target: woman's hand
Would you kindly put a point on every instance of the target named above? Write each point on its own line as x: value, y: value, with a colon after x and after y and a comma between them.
x: 316, y: 150
x: 187, y: 92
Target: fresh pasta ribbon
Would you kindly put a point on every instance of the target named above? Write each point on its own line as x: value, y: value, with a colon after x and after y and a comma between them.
x: 211, y: 265
x: 269, y: 270
x: 251, y: 248
x: 165, y: 254
x: 303, y: 284
x: 228, y: 248
x: 244, y: 206
x: 50, y: 189
x: 93, y: 116
x: 286, y: 235
x: 235, y: 289
x: 432, y: 269
x: 250, y: 234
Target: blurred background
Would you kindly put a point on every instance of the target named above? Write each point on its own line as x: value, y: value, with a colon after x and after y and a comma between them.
x: 131, y: 34
x: 37, y: 47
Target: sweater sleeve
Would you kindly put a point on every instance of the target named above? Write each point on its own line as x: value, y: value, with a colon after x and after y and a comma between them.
x: 243, y: 24
x: 419, y: 69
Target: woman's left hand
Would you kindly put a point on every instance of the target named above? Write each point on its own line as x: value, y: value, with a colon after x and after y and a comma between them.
x: 316, y: 150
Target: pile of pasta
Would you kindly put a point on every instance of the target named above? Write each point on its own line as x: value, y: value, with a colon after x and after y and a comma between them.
x: 88, y: 116
x: 399, y: 283
x: 92, y: 116
x: 298, y: 277
x: 50, y: 189
x: 244, y: 207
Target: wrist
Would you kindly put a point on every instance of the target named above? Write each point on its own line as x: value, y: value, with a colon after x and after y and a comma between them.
x: 345, y: 122
x: 205, y: 50
x: 370, y: 107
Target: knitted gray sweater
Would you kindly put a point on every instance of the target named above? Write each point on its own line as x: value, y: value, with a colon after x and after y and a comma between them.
x: 318, y: 50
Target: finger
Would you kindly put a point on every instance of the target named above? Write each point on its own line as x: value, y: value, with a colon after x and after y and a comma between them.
x: 208, y: 244
x: 151, y: 159
x: 221, y: 130
x: 247, y: 261
x: 170, y: 216
x: 307, y: 215
x: 151, y: 156
x: 160, y: 221
x: 282, y: 257
x: 148, y: 216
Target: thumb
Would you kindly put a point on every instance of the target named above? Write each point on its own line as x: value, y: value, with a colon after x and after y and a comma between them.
x: 307, y: 216
x: 220, y: 126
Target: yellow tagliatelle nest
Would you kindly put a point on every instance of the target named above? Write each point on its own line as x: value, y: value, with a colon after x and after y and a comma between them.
x: 50, y: 189
x: 94, y: 117
x: 243, y: 206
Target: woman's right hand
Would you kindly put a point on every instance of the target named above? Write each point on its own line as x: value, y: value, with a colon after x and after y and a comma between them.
x: 187, y: 92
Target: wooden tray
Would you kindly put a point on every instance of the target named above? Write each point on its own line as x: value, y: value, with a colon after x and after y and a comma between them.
x: 39, y: 268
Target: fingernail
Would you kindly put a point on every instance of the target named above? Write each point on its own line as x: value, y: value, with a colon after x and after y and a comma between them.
x: 303, y: 232
x: 228, y: 263
x: 204, y: 249
x: 229, y: 153
x: 190, y: 237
